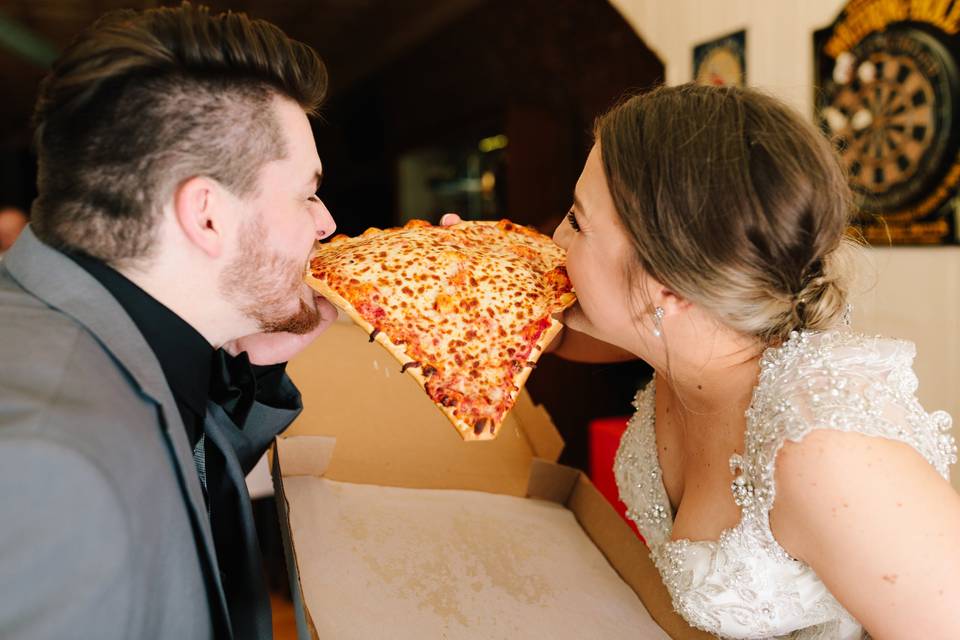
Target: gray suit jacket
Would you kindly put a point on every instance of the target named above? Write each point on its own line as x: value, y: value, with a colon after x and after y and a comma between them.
x: 103, y: 528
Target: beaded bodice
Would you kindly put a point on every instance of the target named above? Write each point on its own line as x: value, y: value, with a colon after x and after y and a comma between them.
x: 745, y: 585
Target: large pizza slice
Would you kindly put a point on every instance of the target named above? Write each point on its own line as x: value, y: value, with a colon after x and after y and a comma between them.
x: 466, y: 309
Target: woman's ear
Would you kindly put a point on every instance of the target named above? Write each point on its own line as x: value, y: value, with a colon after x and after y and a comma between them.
x: 199, y: 206
x: 660, y: 295
x: 671, y: 301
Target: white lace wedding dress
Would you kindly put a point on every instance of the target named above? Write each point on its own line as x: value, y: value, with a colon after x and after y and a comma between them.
x: 745, y: 585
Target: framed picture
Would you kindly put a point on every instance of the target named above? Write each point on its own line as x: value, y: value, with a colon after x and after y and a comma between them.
x: 721, y: 62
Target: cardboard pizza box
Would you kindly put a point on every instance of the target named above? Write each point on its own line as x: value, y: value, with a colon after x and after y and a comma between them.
x: 395, y: 528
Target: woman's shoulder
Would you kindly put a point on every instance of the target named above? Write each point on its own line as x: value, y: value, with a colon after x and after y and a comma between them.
x: 845, y: 381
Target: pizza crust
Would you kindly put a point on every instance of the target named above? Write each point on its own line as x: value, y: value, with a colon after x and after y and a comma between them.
x: 465, y: 429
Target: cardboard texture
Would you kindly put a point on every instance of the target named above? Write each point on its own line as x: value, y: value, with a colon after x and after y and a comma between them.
x: 369, y: 441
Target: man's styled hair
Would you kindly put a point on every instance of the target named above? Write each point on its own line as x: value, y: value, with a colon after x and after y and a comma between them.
x: 142, y: 101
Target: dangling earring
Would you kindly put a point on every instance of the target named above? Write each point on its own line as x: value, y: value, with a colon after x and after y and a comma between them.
x: 657, y: 321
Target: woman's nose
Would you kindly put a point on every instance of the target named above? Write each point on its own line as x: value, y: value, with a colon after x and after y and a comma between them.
x: 560, y: 234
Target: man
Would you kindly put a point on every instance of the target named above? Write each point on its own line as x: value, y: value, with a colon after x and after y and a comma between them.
x: 176, y: 210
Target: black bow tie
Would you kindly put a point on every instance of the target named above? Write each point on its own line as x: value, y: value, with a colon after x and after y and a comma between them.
x: 233, y: 385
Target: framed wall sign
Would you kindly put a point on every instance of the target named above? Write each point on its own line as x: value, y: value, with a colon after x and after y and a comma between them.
x: 722, y: 61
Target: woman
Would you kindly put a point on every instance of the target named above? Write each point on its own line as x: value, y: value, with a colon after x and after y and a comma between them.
x: 779, y: 465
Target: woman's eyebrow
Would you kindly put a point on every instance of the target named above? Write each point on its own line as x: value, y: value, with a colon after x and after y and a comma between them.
x: 576, y: 203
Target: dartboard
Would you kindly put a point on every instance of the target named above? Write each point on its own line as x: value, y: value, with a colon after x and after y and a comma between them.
x: 887, y: 104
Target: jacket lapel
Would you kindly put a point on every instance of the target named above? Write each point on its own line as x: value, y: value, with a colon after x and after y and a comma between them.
x: 61, y: 283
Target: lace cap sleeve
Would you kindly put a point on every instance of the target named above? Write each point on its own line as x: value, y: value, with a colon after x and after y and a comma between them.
x: 844, y: 381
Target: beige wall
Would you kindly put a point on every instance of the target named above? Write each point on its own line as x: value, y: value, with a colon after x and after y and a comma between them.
x: 907, y: 292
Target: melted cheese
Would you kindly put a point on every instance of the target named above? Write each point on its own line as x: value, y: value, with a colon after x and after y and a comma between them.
x: 467, y: 303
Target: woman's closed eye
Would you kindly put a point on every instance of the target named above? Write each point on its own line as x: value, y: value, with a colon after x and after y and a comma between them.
x: 572, y: 220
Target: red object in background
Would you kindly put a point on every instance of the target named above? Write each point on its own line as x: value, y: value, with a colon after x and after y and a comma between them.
x: 605, y: 436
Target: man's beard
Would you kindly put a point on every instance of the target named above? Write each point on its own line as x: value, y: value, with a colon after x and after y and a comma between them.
x: 263, y: 283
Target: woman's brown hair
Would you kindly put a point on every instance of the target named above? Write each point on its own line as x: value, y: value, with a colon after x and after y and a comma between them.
x: 735, y: 202
x: 141, y: 101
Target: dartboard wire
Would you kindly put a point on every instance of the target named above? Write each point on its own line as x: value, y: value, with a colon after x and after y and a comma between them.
x: 881, y: 113
x: 866, y: 146
x: 892, y: 70
x: 878, y: 144
x: 888, y: 97
x: 875, y: 133
x: 884, y: 143
x: 863, y: 152
x: 896, y: 133
x: 897, y: 107
x: 888, y: 140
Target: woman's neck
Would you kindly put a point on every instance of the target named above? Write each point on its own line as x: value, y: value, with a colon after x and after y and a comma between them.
x: 710, y: 388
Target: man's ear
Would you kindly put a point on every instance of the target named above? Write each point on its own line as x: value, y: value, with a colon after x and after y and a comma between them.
x: 199, y: 208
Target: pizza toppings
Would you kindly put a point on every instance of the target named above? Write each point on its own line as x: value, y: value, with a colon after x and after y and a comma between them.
x: 466, y: 309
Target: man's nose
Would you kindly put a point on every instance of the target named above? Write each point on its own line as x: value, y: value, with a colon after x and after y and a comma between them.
x: 324, y: 221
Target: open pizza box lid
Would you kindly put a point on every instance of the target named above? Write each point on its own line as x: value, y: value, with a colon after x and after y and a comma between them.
x: 371, y: 445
